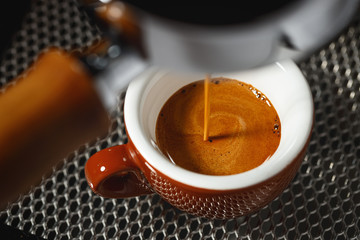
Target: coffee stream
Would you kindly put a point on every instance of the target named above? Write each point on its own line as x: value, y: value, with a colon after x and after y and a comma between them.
x: 206, y: 107
x: 244, y: 128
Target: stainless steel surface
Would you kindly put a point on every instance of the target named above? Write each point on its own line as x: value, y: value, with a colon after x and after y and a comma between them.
x: 322, y: 202
x: 293, y: 31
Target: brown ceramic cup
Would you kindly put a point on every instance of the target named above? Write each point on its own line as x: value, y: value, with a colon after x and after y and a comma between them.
x: 139, y: 167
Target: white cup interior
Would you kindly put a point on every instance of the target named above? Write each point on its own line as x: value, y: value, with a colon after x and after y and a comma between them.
x: 282, y: 83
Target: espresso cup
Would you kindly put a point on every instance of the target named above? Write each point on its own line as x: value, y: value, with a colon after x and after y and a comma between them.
x: 139, y: 167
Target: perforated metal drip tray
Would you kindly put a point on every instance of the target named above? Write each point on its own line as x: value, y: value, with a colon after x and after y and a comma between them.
x: 323, y: 201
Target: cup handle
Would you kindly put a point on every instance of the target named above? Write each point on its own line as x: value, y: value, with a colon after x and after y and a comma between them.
x: 113, y: 173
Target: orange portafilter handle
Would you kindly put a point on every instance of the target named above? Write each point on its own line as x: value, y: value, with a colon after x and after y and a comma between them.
x: 51, y: 111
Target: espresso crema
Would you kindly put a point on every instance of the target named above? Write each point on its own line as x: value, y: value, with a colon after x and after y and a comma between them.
x: 244, y: 128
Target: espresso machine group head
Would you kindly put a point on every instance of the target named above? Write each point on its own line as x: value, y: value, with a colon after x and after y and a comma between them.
x: 226, y: 38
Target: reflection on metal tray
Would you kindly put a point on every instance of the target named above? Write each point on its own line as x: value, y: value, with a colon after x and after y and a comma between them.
x: 323, y: 201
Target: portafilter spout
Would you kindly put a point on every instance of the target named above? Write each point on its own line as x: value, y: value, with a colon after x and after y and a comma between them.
x: 219, y: 38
